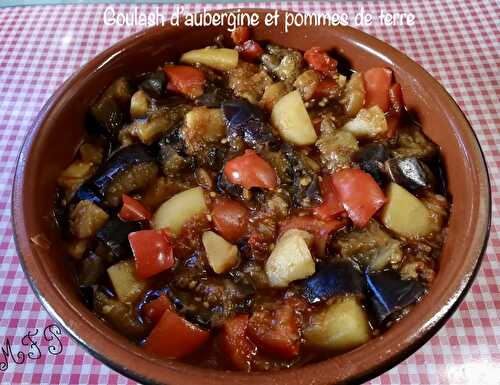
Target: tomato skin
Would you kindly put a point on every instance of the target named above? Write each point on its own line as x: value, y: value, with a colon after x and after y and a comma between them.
x: 152, y: 251
x: 133, y: 210
x: 377, y: 82
x: 360, y: 195
x: 276, y: 331
x: 240, y: 34
x: 319, y: 60
x: 250, y: 170
x: 154, y: 310
x: 174, y: 337
x: 230, y: 219
x: 331, y: 206
x: 396, y: 109
x: 250, y: 50
x: 325, y: 89
x: 236, y: 344
x: 186, y: 80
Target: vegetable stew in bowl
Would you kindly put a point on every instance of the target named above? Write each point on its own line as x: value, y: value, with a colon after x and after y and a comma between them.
x: 253, y: 207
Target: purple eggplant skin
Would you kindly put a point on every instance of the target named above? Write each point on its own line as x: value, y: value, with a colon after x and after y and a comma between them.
x: 411, y: 173
x: 114, y: 234
x: 389, y: 293
x: 371, y: 159
x: 246, y: 121
x: 333, y: 279
x: 436, y: 165
x: 120, y: 162
x: 154, y: 83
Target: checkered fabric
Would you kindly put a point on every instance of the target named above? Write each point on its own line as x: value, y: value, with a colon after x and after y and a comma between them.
x: 456, y: 41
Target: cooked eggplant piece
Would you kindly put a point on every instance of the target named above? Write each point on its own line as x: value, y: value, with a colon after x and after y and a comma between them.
x: 333, y: 279
x: 171, y: 162
x: 193, y: 310
x: 437, y: 168
x: 413, y: 143
x: 284, y: 63
x: 154, y: 84
x: 224, y: 186
x: 214, y: 96
x: 371, y: 159
x: 245, y: 120
x: 389, y: 294
x: 86, y: 192
x: 305, y: 189
x: 91, y: 269
x: 114, y: 235
x: 120, y: 316
x: 111, y: 108
x: 128, y: 169
x: 86, y: 218
x: 410, y: 173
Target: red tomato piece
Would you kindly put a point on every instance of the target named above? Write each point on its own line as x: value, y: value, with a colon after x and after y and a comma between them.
x: 321, y: 229
x: 319, y: 60
x: 325, y: 89
x: 360, y: 195
x: 250, y: 50
x: 276, y: 331
x: 154, y: 310
x: 396, y: 109
x: 152, y: 251
x: 187, y: 80
x: 133, y: 210
x: 174, y: 337
x: 230, y: 219
x: 331, y: 206
x: 250, y: 170
x: 377, y: 83
x: 236, y: 344
x: 240, y: 34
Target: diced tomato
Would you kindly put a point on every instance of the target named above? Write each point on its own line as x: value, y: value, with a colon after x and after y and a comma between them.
x: 250, y: 170
x: 377, y: 83
x: 240, y: 34
x: 320, y: 228
x: 331, y: 206
x: 276, y: 331
x: 396, y: 98
x: 396, y: 109
x: 187, y: 80
x: 174, y: 337
x: 250, y: 50
x: 236, y: 344
x: 154, y: 310
x: 325, y: 89
x: 360, y: 195
x: 319, y: 60
x: 230, y: 219
x: 152, y: 251
x: 133, y: 210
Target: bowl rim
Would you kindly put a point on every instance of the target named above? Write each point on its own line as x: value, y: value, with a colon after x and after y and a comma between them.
x: 21, y: 238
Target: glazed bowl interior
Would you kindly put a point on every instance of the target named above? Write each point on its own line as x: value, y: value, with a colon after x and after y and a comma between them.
x: 54, y: 138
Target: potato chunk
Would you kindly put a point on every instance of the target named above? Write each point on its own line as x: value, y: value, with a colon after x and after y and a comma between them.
x: 86, y: 218
x: 290, y: 117
x: 221, y: 59
x: 368, y: 123
x: 222, y: 255
x: 405, y: 214
x: 179, y: 209
x: 128, y: 287
x: 203, y: 126
x: 340, y: 327
x: 291, y: 259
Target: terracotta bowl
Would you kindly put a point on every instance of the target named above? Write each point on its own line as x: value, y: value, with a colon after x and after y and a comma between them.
x: 56, y: 133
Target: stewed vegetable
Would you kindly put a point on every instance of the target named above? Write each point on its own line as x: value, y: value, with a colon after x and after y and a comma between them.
x: 250, y: 207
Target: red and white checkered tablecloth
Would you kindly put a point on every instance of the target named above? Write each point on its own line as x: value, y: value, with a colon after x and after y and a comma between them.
x: 456, y: 41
